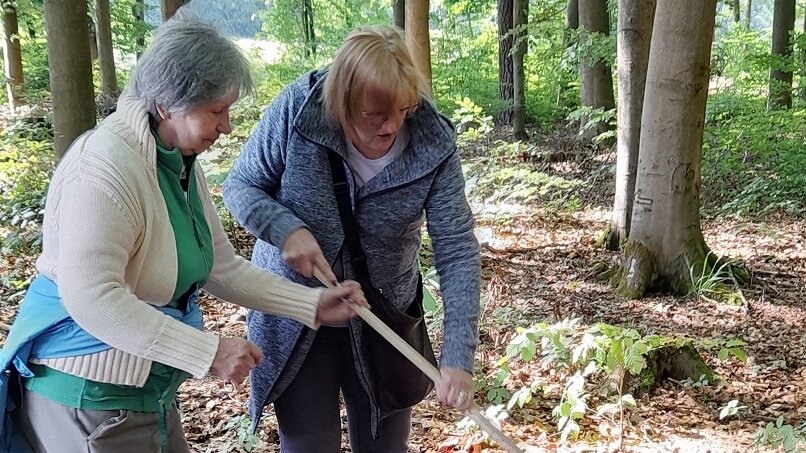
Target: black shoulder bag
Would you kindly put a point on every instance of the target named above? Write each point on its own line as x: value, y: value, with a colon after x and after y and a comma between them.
x: 396, y: 382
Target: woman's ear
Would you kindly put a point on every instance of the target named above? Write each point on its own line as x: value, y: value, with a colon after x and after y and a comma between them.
x: 163, y: 112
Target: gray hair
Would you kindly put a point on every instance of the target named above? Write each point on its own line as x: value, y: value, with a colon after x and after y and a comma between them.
x: 189, y: 63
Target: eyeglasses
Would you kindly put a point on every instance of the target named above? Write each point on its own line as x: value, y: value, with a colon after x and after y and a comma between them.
x: 377, y: 119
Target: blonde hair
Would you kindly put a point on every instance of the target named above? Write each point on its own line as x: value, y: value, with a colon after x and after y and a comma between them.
x: 372, y: 63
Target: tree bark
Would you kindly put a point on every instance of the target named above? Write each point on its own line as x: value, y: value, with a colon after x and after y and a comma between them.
x: 519, y: 20
x: 418, y: 37
x: 15, y: 78
x: 635, y: 19
x: 803, y: 64
x: 169, y: 7
x: 572, y: 15
x: 783, y: 23
x: 665, y: 233
x: 737, y: 11
x: 93, y: 39
x: 70, y: 71
x: 569, y: 36
x: 505, y: 42
x: 747, y: 15
x: 596, y: 87
x: 399, y: 13
x: 106, y: 57
x: 308, y: 37
x: 139, y: 13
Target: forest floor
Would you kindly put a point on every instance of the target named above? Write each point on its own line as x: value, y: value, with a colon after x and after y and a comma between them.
x: 537, y: 266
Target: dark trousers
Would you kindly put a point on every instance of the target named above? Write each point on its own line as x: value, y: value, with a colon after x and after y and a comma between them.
x: 308, y: 410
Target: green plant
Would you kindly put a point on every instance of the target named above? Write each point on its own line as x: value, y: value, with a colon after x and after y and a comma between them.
x: 26, y: 164
x: 752, y: 158
x: 726, y: 348
x: 594, y: 116
x: 708, y: 279
x: 246, y: 439
x: 779, y: 434
x: 470, y: 122
x: 730, y: 409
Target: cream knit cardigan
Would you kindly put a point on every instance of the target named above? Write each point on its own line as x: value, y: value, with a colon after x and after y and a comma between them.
x: 110, y: 248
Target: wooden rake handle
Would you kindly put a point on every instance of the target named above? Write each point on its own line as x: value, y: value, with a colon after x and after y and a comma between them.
x: 476, y: 412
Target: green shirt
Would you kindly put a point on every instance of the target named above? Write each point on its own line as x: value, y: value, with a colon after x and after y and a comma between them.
x: 194, y: 250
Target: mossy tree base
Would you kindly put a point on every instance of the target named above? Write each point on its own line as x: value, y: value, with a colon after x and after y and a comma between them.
x: 637, y: 271
x: 609, y: 239
x: 678, y: 361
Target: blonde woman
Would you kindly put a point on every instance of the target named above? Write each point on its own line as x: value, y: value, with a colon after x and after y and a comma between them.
x: 369, y: 109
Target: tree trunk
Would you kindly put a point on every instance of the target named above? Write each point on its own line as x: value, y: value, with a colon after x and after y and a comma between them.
x: 505, y: 41
x: 418, y: 37
x: 747, y: 16
x: 308, y: 37
x: 399, y: 13
x: 737, y: 11
x: 92, y: 39
x: 803, y: 63
x: 15, y: 79
x: 106, y: 58
x: 635, y: 19
x: 169, y: 7
x: 596, y: 87
x: 70, y: 71
x: 139, y: 13
x: 519, y: 20
x: 665, y: 233
x: 572, y: 15
x: 783, y: 23
x: 569, y: 36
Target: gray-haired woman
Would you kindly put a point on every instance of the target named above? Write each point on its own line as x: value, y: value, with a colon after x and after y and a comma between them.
x: 111, y: 328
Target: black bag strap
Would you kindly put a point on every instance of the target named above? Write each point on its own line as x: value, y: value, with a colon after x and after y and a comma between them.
x: 341, y: 189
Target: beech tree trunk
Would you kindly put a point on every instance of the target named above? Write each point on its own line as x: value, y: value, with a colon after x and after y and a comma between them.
x: 139, y: 13
x: 169, y: 7
x: 106, y: 57
x: 12, y: 53
x: 747, y: 16
x: 93, y: 39
x: 418, y: 37
x: 572, y: 15
x: 665, y: 232
x: 635, y: 19
x: 737, y: 13
x: 70, y: 71
x: 783, y: 23
x: 308, y: 36
x: 505, y: 41
x: 519, y: 18
x: 596, y: 87
x: 399, y: 13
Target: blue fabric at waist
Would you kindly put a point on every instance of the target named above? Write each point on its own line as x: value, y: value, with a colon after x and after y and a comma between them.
x: 65, y: 338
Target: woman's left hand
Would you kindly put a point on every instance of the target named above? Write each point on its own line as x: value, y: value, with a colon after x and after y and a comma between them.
x: 336, y: 304
x: 456, y: 388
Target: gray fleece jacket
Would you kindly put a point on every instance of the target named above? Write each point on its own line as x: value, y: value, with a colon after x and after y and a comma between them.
x: 281, y: 182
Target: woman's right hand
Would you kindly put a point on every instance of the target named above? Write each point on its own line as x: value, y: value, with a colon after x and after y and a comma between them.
x: 234, y: 358
x: 303, y: 254
x: 336, y: 304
